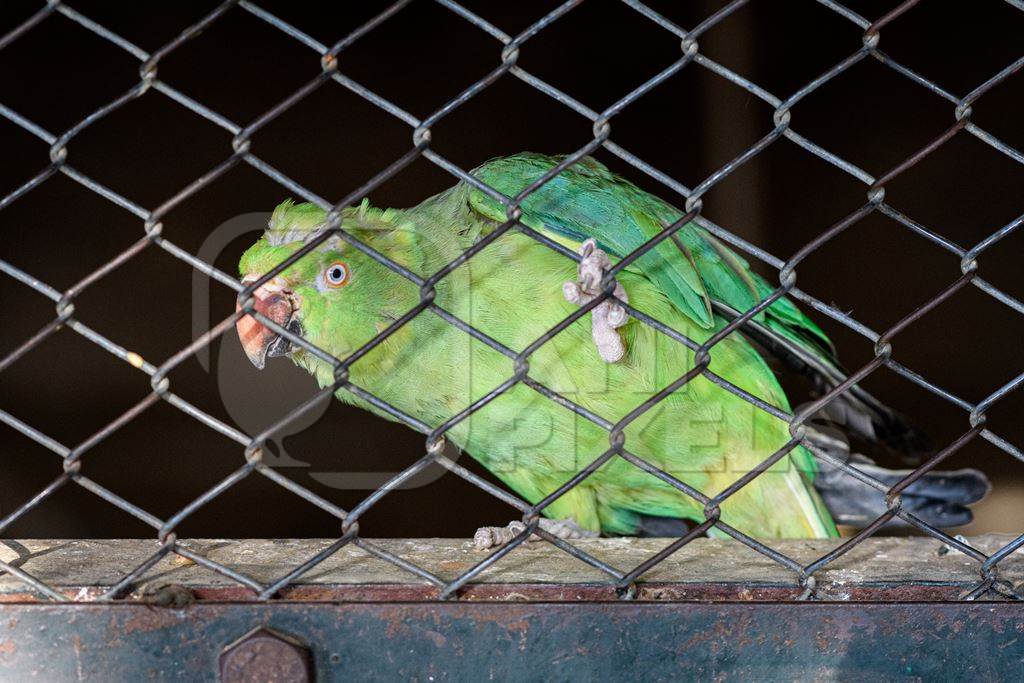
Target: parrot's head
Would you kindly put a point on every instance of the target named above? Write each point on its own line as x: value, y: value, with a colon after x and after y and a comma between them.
x: 335, y: 296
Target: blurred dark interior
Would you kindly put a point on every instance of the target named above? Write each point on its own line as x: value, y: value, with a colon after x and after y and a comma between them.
x: 333, y: 141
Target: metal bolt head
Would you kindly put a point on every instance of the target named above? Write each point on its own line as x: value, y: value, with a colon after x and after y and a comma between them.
x: 265, y: 656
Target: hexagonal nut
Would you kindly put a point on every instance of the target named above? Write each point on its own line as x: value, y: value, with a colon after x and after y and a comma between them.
x: 265, y: 655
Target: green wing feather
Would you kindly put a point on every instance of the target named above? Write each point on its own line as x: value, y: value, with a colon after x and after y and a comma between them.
x: 589, y: 201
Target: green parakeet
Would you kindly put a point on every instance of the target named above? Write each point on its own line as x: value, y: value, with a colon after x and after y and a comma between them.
x: 516, y: 289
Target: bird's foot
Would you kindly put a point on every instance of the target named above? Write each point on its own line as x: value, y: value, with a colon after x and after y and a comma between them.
x: 566, y: 529
x: 606, y: 316
x: 493, y: 536
x: 487, y: 537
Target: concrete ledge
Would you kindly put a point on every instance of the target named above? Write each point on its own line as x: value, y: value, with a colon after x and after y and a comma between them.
x: 877, y: 569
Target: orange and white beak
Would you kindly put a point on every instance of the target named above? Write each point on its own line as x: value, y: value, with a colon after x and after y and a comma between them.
x: 276, y: 302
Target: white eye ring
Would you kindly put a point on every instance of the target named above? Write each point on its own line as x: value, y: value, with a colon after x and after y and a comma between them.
x: 336, y: 274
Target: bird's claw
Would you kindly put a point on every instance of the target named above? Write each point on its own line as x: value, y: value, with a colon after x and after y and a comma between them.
x: 607, y: 316
x: 493, y: 536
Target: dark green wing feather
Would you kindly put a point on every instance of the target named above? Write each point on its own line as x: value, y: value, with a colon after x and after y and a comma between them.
x: 589, y: 201
x: 585, y: 202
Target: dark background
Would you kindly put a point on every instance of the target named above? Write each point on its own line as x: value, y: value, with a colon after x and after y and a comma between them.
x: 333, y: 141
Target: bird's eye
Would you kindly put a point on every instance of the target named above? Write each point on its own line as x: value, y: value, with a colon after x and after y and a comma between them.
x: 336, y: 274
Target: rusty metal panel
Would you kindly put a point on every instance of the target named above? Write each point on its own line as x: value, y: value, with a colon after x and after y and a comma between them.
x: 473, y: 641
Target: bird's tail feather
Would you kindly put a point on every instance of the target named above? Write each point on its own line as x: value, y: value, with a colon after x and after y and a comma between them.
x: 938, y: 498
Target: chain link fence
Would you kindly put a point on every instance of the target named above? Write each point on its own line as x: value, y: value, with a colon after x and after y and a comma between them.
x: 507, y: 49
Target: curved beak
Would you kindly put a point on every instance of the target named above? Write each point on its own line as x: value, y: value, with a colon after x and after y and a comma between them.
x: 276, y: 302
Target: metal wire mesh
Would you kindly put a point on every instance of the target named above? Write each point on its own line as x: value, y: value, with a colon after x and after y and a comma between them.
x: 508, y: 48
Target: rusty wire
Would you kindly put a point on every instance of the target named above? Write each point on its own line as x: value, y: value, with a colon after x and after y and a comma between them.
x: 508, y: 50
